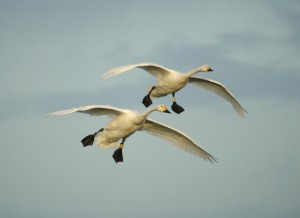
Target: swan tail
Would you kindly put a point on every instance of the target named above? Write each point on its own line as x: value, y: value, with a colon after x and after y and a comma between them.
x: 102, y: 141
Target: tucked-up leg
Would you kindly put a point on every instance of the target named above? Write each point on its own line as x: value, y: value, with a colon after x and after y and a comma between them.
x: 118, y: 154
x: 147, y: 100
x: 89, y: 140
x: 176, y: 107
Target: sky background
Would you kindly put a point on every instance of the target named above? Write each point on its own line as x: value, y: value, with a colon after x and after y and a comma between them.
x: 52, y: 56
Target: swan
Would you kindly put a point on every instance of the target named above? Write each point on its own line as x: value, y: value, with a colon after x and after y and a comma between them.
x: 170, y: 81
x: 125, y: 122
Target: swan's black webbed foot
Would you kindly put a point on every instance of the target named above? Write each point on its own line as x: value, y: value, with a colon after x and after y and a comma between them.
x: 177, y: 108
x: 147, y: 100
x: 118, y: 155
x: 89, y: 140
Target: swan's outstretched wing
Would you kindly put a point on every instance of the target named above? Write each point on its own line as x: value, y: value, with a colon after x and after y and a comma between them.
x: 177, y: 138
x: 154, y: 69
x: 220, y: 90
x: 94, y: 110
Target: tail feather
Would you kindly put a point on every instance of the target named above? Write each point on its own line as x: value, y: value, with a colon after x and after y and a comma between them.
x: 102, y: 142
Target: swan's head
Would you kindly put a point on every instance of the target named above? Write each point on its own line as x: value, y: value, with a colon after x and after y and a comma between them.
x: 162, y: 108
x: 205, y: 68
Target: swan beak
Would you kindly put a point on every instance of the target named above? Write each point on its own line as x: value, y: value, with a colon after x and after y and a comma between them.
x: 210, y: 69
x: 166, y: 111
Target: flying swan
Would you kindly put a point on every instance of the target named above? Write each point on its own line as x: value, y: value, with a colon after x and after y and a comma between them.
x: 170, y: 81
x: 125, y: 122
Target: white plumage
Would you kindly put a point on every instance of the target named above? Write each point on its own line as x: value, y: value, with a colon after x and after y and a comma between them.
x: 170, y: 81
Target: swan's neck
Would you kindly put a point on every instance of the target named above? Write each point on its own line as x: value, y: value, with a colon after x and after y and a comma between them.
x: 148, y: 111
x: 192, y: 72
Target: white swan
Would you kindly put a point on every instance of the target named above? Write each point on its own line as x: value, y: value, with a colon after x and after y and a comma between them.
x: 170, y: 81
x: 125, y: 122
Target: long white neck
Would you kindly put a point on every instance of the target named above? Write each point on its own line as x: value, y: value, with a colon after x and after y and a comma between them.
x: 148, y: 111
x: 194, y: 71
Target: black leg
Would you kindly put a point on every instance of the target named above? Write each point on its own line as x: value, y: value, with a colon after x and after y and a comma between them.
x: 147, y: 100
x: 118, y: 154
x: 89, y: 140
x: 176, y: 107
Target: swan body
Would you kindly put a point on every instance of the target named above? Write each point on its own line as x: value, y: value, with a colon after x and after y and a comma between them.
x: 125, y: 122
x: 170, y: 81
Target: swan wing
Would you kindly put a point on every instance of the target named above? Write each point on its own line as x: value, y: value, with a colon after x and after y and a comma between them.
x: 154, y: 69
x: 94, y: 110
x: 220, y: 90
x: 177, y: 138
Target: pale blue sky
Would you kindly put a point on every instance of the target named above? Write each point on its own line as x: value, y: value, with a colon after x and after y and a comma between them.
x: 51, y: 58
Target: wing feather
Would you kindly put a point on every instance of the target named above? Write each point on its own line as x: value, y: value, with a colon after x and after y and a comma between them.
x: 177, y: 138
x: 154, y: 69
x: 220, y: 90
x: 93, y: 110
